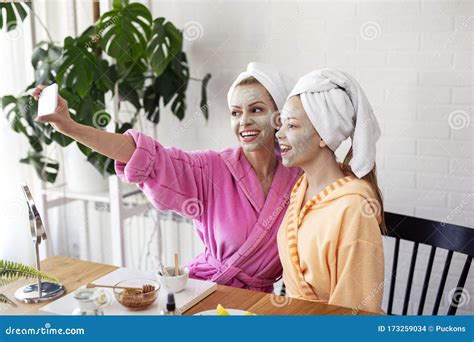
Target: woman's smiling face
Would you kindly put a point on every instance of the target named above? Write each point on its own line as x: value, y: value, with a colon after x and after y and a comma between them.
x: 252, y: 111
x: 299, y: 141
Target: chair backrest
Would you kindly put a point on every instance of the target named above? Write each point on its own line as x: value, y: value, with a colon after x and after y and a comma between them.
x: 438, y: 235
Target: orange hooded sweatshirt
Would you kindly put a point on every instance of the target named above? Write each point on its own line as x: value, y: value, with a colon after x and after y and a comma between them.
x: 331, y: 248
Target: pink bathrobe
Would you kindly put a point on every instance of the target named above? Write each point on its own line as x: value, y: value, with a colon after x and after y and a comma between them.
x: 222, y: 194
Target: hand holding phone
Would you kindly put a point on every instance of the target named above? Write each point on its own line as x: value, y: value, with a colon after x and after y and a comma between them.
x: 52, y: 108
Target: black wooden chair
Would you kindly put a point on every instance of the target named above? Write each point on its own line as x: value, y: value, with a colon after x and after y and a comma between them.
x: 454, y: 239
x: 437, y: 235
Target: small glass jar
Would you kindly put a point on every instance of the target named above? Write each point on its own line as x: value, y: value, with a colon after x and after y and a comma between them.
x: 90, y: 302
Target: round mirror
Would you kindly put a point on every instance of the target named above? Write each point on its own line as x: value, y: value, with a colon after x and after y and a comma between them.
x: 37, y: 230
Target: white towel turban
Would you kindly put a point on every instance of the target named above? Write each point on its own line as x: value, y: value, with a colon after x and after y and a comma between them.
x: 338, y: 109
x: 277, y: 84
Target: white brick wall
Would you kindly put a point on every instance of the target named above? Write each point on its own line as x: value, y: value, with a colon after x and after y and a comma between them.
x: 416, y: 70
x: 414, y: 58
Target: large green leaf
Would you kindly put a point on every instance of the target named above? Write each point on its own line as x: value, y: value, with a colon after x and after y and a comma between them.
x: 102, y: 163
x: 78, y: 65
x: 143, y: 49
x: 170, y: 87
x: 89, y: 110
x: 15, y: 12
x: 119, y: 4
x: 178, y: 107
x: 130, y: 94
x: 20, y: 113
x: 123, y: 127
x: 131, y: 78
x: 46, y: 168
x: 106, y: 77
x: 151, y: 104
x: 61, y: 139
x: 46, y: 60
x: 133, y: 72
x: 165, y: 44
x: 10, y: 108
x: 125, y: 31
x: 203, y: 105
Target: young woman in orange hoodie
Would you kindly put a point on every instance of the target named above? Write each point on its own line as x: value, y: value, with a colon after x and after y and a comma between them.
x: 330, y: 241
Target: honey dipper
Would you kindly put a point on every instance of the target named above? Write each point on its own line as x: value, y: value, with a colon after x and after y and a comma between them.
x: 145, y: 288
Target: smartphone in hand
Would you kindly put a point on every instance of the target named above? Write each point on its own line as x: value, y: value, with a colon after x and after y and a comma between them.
x: 48, y: 100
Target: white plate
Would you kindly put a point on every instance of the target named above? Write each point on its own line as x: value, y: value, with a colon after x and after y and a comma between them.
x: 232, y: 312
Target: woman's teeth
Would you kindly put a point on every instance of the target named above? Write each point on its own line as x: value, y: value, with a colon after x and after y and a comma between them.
x: 246, y: 134
x: 249, y: 136
x: 285, y: 148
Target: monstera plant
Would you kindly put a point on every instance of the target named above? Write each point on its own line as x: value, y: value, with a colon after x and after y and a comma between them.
x: 126, y: 52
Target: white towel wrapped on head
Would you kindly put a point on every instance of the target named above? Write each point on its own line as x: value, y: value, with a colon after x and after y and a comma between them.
x: 277, y: 84
x: 338, y: 109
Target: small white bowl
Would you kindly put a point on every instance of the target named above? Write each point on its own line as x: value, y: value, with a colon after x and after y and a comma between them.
x: 174, y: 283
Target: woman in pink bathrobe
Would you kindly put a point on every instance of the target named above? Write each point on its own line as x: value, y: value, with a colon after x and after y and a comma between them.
x: 236, y: 197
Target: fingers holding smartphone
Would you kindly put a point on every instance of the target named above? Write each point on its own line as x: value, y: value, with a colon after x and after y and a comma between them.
x: 52, y: 107
x: 37, y: 91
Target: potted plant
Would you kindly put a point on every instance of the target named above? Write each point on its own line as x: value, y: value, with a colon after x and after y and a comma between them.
x: 126, y: 53
x: 11, y: 271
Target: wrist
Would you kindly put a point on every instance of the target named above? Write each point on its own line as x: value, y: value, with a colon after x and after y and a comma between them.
x: 67, y: 127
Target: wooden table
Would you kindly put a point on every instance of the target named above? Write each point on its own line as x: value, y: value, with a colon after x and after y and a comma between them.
x: 74, y: 273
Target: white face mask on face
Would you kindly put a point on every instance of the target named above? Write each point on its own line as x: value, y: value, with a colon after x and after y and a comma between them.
x: 253, y: 115
x: 299, y: 141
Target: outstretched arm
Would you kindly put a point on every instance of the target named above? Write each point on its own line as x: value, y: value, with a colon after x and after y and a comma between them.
x: 113, y: 145
x: 171, y: 178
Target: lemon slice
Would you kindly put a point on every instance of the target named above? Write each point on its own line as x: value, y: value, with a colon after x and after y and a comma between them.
x: 221, y: 311
x: 101, y: 298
